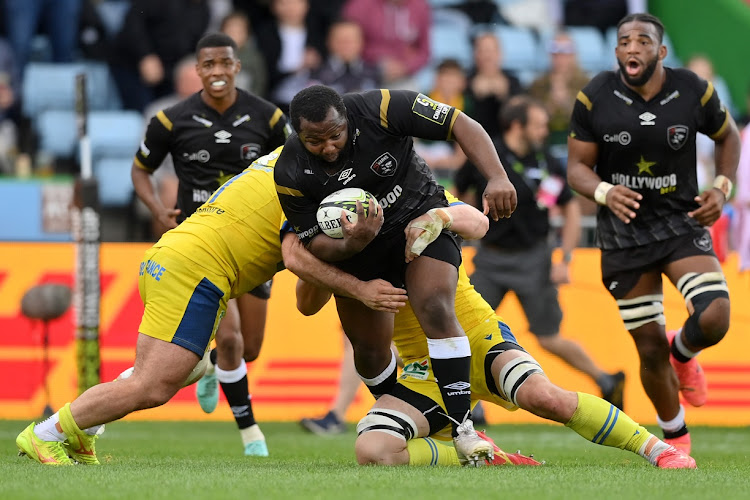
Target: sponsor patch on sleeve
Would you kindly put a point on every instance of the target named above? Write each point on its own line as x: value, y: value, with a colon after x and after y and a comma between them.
x: 430, y: 109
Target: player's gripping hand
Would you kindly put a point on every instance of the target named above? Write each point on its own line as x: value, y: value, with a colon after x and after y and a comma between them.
x: 711, y: 204
x: 168, y: 217
x: 357, y: 235
x: 380, y: 295
x: 623, y: 202
x: 499, y: 199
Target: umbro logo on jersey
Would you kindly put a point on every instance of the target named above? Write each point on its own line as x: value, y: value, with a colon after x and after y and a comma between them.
x: 647, y: 118
x: 458, y: 388
x: 222, y: 137
x: 346, y: 176
x: 613, y: 285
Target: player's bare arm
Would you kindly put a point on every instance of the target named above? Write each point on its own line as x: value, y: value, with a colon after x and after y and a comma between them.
x: 499, y: 199
x: 356, y: 236
x: 462, y: 219
x: 376, y: 294
x: 621, y: 200
x: 145, y: 191
x: 726, y: 156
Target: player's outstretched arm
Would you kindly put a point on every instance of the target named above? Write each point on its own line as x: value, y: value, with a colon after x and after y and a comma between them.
x: 499, y: 199
x: 726, y: 158
x: 376, y: 294
x: 462, y: 219
x: 582, y: 157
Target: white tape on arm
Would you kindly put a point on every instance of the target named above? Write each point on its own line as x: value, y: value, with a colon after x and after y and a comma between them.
x: 723, y: 184
x: 440, y: 219
x: 600, y: 195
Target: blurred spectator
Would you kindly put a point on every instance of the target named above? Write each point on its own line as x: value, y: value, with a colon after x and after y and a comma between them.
x: 155, y: 35
x: 601, y: 14
x: 186, y: 83
x: 397, y: 37
x: 449, y: 88
x: 490, y: 85
x: 92, y: 34
x: 218, y: 11
x: 59, y: 18
x: 9, y: 93
x: 344, y: 69
x: 253, y: 74
x: 702, y: 66
x: 558, y: 87
x: 327, y: 12
x: 292, y: 46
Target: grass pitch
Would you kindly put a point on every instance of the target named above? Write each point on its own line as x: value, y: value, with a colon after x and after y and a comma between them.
x: 197, y: 460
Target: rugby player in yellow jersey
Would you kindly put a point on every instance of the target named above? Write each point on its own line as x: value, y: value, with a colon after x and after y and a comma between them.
x: 229, y: 246
x: 402, y: 426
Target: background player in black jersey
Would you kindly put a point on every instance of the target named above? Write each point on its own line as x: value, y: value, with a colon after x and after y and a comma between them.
x: 515, y: 253
x: 632, y: 150
x: 213, y: 135
x: 365, y: 140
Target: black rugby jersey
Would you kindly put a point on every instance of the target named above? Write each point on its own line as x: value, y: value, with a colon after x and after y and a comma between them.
x: 208, y: 148
x: 380, y: 158
x: 650, y: 148
x: 530, y: 221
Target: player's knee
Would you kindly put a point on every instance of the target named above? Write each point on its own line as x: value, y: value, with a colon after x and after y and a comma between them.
x: 157, y: 394
x: 382, y: 437
x: 437, y: 316
x: 230, y: 342
x: 372, y: 449
x: 707, y: 297
x: 714, y: 321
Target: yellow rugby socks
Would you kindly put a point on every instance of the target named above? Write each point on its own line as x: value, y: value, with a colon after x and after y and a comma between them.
x: 427, y: 451
x: 602, y: 423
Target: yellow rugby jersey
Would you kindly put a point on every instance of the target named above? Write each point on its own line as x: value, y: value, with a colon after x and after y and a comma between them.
x: 237, y: 231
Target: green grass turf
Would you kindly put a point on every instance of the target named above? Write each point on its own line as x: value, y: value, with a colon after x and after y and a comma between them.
x: 196, y: 460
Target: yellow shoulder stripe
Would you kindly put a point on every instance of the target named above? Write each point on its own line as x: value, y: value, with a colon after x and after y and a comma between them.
x: 275, y: 118
x: 723, y: 127
x: 384, y: 102
x: 584, y: 100
x: 289, y: 191
x: 164, y: 120
x: 456, y: 112
x: 707, y: 95
x: 141, y: 165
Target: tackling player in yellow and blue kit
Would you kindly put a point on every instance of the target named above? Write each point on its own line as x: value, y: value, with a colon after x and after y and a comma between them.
x: 229, y: 246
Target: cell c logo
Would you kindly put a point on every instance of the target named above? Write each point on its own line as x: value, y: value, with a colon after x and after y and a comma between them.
x: 623, y: 138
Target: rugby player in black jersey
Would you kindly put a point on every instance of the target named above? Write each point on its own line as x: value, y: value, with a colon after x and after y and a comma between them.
x: 632, y: 149
x: 213, y: 135
x: 364, y: 140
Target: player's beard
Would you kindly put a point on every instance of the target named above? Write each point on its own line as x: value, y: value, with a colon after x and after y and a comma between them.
x: 644, y: 77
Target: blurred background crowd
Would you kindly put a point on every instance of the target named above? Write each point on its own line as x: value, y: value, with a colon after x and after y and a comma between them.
x: 139, y: 58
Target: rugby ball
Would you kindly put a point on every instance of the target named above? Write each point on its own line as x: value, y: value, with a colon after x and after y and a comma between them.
x: 344, y: 201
